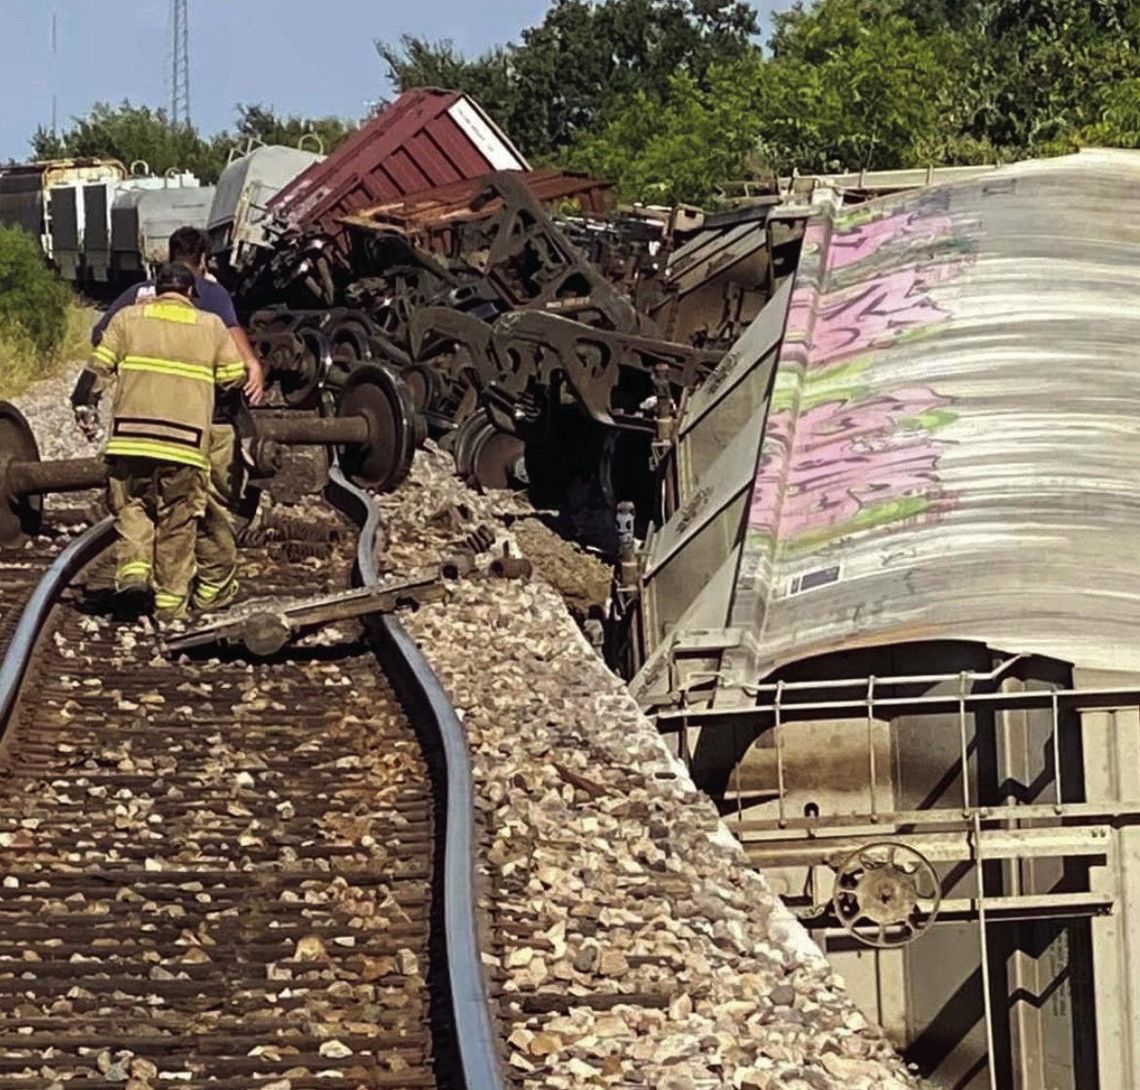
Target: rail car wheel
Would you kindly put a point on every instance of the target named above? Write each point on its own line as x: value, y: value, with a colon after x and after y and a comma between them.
x: 489, y: 457
x: 350, y: 347
x: 300, y: 384
x: 19, y: 515
x: 886, y: 894
x: 377, y: 394
x: 422, y: 381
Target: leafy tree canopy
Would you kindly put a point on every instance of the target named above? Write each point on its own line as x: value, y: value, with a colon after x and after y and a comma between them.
x: 568, y: 75
x: 847, y: 84
x: 133, y: 133
x: 670, y: 98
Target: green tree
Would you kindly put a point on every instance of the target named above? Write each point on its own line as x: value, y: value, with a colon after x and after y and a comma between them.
x: 260, y: 123
x: 851, y: 84
x: 854, y: 84
x: 33, y: 300
x: 1117, y: 123
x: 1036, y: 72
x: 138, y: 133
x: 417, y: 62
x: 574, y: 71
x: 132, y: 133
x: 679, y: 149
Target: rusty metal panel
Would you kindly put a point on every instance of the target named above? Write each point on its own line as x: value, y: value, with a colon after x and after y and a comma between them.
x: 428, y: 216
x: 951, y: 448
x: 444, y: 202
x: 426, y: 138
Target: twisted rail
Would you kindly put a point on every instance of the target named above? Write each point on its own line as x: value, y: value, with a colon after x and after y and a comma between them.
x: 476, y: 1039
x: 471, y: 1021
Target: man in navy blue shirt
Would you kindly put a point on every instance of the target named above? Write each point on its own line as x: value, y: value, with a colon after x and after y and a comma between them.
x: 190, y: 246
x: 216, y: 584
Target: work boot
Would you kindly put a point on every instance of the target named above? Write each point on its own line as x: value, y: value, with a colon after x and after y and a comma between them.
x: 132, y: 600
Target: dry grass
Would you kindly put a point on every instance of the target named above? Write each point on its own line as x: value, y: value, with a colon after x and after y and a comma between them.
x: 21, y: 363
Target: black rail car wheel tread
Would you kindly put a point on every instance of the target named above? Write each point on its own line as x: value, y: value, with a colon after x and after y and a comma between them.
x: 20, y: 516
x: 486, y: 456
x: 378, y: 394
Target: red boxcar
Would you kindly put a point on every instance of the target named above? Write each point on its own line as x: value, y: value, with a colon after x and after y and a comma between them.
x: 426, y: 138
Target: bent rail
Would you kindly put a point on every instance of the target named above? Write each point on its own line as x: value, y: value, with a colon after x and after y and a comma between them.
x: 472, y: 1023
x: 476, y: 1040
x: 63, y: 569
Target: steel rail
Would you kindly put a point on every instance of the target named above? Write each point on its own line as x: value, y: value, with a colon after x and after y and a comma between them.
x: 74, y: 557
x: 475, y: 1036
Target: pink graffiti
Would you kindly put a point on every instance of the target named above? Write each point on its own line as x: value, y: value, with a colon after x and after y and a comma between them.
x: 847, y: 247
x: 860, y: 459
x: 842, y: 460
x: 869, y: 315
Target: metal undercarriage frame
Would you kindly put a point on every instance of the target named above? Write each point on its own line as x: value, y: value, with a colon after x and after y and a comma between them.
x: 994, y: 835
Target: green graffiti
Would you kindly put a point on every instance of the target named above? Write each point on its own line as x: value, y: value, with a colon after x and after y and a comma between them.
x: 931, y: 420
x: 836, y: 383
x: 873, y: 517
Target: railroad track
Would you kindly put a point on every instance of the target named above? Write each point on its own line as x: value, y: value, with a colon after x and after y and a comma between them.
x: 232, y: 874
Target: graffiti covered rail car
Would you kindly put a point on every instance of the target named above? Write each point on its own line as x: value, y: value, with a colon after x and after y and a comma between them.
x: 889, y: 622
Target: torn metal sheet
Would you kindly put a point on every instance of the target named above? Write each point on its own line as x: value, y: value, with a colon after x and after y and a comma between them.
x: 425, y: 138
x: 428, y: 217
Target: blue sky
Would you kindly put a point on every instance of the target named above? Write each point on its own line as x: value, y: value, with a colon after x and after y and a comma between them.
x: 300, y: 56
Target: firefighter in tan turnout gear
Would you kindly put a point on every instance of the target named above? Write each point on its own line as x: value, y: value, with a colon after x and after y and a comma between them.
x: 167, y: 357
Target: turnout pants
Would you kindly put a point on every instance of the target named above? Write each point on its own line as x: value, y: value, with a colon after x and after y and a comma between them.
x: 217, y: 544
x: 157, y: 507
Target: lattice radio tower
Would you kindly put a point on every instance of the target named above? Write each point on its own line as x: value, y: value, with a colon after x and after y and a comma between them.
x: 180, y: 70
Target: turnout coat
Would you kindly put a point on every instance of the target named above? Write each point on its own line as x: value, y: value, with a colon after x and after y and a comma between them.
x: 168, y: 358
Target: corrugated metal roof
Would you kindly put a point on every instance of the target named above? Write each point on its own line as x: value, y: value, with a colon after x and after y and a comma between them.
x: 952, y: 447
x: 426, y: 138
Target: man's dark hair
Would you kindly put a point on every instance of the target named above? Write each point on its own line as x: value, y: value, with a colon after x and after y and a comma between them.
x: 176, y: 277
x: 189, y: 245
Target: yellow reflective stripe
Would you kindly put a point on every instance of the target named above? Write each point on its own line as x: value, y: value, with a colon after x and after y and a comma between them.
x: 104, y: 354
x: 141, y: 448
x: 207, y: 592
x: 165, y: 600
x: 167, y: 367
x: 227, y: 371
x: 133, y: 566
x: 182, y: 313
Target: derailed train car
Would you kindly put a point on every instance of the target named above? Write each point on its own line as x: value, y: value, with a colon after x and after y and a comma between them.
x: 99, y: 224
x: 884, y: 610
x: 889, y: 621
x: 883, y: 607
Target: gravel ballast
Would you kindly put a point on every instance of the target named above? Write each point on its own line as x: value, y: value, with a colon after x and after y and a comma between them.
x: 629, y: 941
x: 47, y: 405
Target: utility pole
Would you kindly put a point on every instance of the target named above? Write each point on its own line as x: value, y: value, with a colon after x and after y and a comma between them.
x: 180, y: 72
x: 54, y: 73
